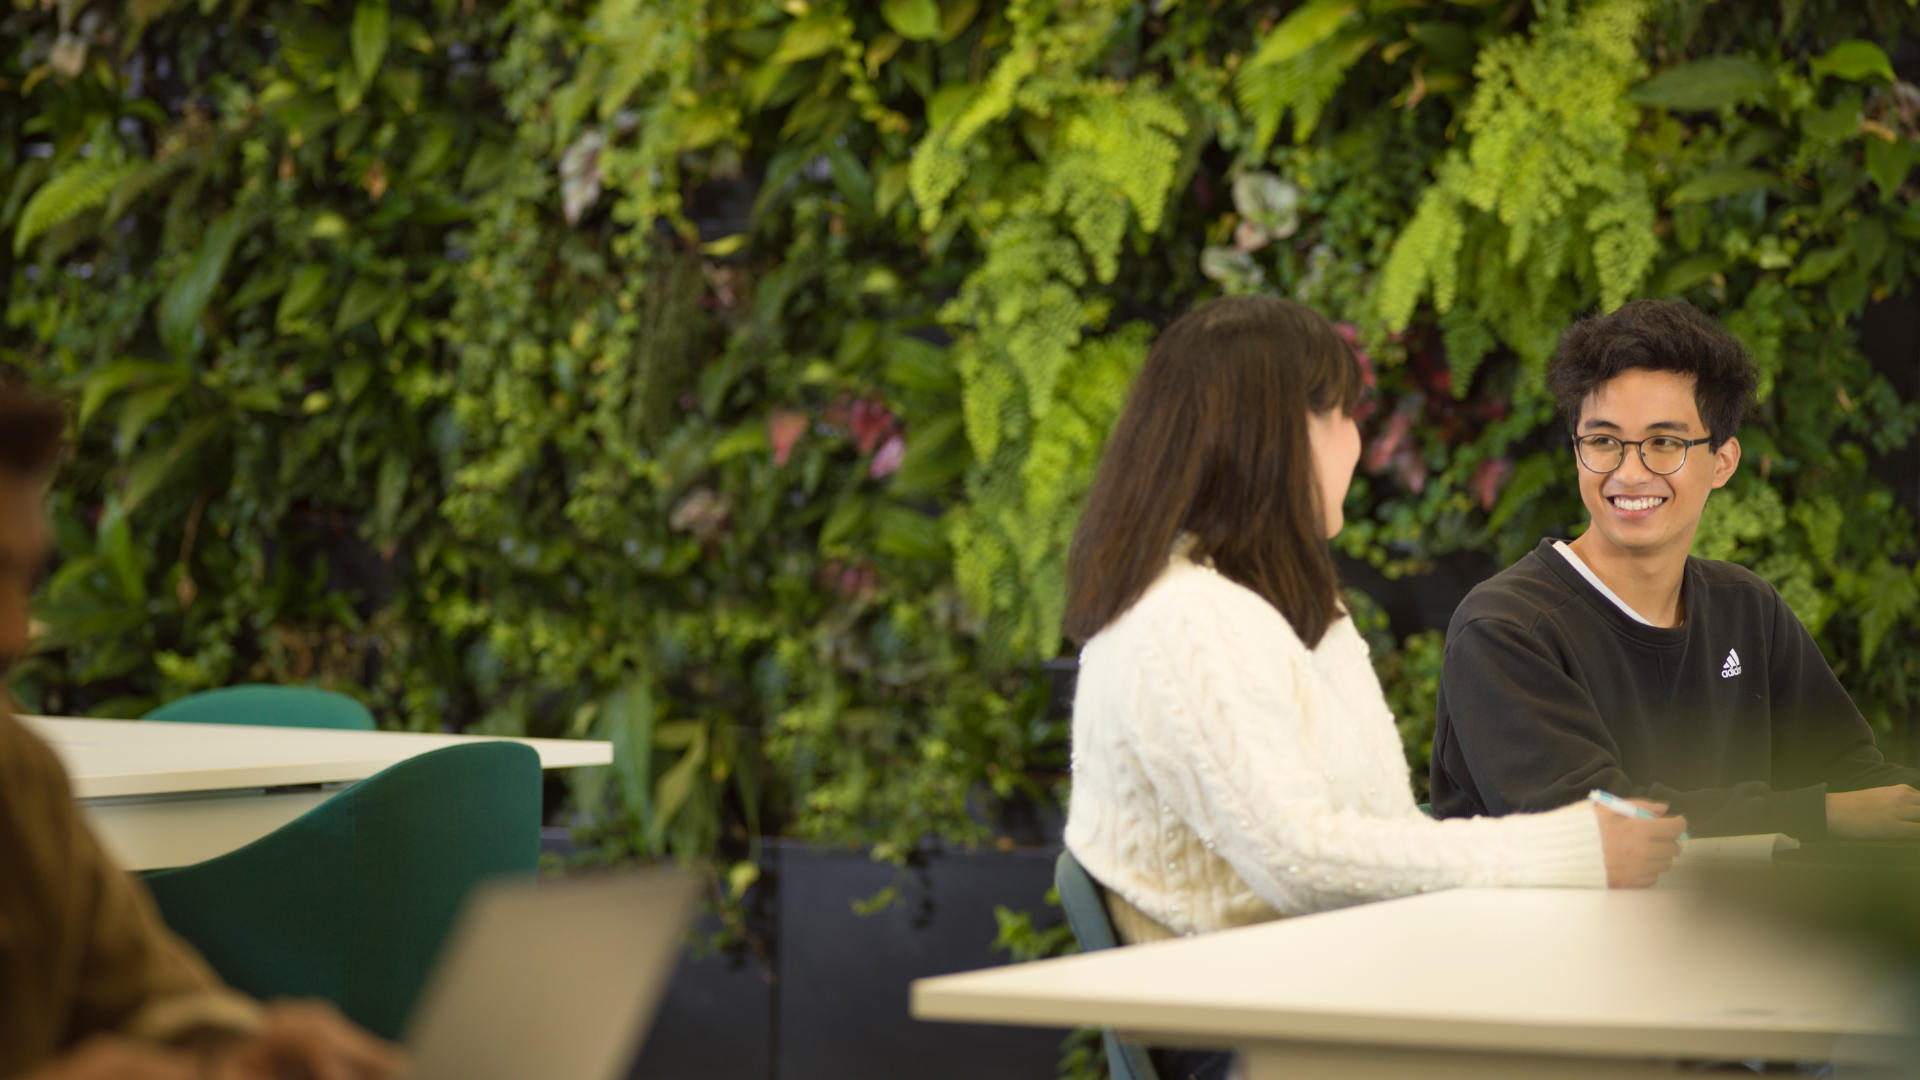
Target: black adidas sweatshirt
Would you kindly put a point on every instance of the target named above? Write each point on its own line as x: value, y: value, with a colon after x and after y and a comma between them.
x: 1733, y: 717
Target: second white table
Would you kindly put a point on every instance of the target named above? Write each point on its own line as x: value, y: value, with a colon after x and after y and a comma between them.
x: 1467, y: 983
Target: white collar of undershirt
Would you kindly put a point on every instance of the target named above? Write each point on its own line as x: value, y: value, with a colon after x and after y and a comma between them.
x: 1593, y: 578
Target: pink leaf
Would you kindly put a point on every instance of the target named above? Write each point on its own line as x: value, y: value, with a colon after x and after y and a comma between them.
x: 784, y: 428
x: 1412, y: 470
x: 1387, y: 444
x: 1487, y: 478
x: 1366, y: 368
x: 892, y: 452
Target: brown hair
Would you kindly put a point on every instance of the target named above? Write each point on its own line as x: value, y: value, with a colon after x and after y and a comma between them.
x: 1213, y: 444
x: 32, y: 427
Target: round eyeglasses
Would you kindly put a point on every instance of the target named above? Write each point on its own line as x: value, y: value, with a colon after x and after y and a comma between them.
x: 1663, y: 455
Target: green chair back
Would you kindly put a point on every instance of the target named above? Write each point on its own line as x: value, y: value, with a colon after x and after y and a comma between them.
x: 350, y: 901
x: 1086, y: 910
x: 277, y: 706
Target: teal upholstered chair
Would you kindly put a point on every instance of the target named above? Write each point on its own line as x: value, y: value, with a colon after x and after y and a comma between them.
x: 1086, y: 910
x: 278, y: 706
x: 350, y: 901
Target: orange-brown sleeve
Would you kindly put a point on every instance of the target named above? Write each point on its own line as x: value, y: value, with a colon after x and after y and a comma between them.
x: 82, y: 949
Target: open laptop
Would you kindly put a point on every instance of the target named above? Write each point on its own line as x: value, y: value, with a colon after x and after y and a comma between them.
x: 551, y: 980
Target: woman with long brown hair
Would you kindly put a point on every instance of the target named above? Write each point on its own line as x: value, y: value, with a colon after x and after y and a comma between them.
x: 1234, y: 758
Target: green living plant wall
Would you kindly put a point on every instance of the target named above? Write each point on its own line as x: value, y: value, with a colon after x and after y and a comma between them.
x: 722, y: 379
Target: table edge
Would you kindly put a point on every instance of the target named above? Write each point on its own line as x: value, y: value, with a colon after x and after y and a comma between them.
x: 554, y: 754
x: 1213, y: 1023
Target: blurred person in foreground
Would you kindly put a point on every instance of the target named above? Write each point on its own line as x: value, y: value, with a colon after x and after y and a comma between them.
x: 92, y: 985
x: 1234, y: 757
x: 1622, y: 662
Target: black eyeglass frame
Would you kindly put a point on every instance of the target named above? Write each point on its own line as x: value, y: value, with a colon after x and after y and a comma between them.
x: 1639, y: 446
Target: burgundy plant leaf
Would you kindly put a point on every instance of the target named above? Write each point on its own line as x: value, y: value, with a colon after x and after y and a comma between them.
x: 871, y: 423
x: 1203, y: 192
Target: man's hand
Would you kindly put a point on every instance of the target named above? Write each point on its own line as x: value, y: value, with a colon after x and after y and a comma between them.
x: 116, y: 1057
x: 312, y: 1041
x: 1882, y: 813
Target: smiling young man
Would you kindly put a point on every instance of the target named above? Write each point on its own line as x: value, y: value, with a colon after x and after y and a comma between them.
x: 1618, y: 661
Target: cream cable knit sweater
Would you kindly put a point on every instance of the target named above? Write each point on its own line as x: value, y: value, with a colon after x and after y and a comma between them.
x: 1226, y: 774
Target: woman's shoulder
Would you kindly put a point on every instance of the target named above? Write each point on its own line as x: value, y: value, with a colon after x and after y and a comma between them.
x: 1189, y: 596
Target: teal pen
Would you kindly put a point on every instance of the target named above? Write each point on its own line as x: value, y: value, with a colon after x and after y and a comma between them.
x: 1621, y: 806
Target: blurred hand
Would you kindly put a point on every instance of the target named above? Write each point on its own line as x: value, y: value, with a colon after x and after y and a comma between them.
x: 1882, y: 813
x: 116, y: 1057
x: 1638, y: 850
x: 309, y: 1040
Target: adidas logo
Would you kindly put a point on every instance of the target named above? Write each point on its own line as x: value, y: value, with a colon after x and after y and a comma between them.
x: 1732, y: 667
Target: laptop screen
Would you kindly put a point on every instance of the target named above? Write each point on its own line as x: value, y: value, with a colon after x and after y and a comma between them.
x: 551, y: 980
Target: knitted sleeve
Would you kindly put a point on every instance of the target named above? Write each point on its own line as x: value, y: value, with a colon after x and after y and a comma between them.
x: 1225, y: 741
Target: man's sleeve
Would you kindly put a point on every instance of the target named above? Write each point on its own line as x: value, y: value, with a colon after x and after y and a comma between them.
x: 127, y: 971
x: 1819, y: 735
x: 1532, y: 738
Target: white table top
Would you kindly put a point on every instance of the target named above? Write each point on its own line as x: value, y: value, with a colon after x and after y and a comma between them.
x: 107, y: 758
x: 1655, y: 972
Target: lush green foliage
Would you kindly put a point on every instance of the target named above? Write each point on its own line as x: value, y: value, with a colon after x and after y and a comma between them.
x: 723, y: 378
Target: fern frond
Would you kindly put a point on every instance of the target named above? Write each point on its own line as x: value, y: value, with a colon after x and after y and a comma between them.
x: 1423, y: 254
x: 1302, y: 84
x: 1118, y: 151
x: 1556, y: 216
x: 78, y: 188
x: 1467, y: 341
x: 1624, y: 244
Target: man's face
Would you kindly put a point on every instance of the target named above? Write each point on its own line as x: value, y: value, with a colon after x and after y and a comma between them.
x: 1635, y: 511
x: 24, y: 545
